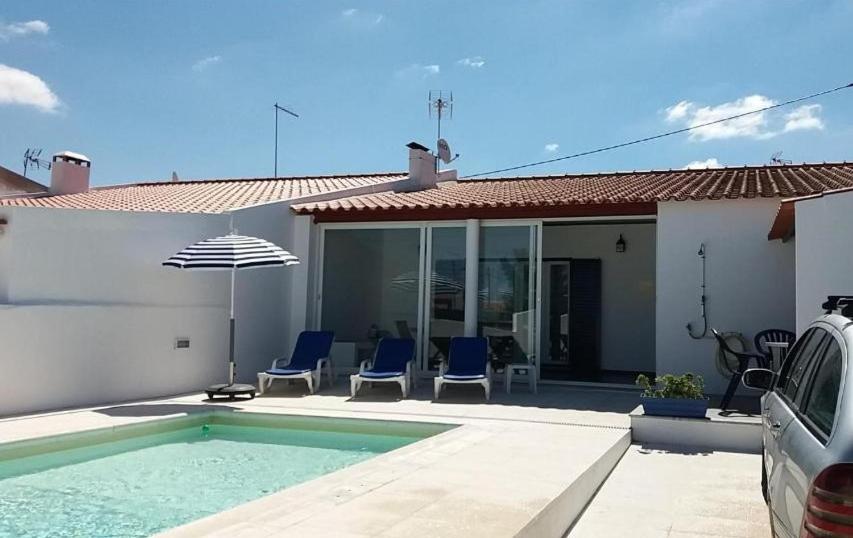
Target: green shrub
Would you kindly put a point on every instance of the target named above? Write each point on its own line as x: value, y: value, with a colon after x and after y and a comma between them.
x: 687, y: 386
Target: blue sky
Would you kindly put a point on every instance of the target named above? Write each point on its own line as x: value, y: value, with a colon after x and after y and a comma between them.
x: 145, y: 88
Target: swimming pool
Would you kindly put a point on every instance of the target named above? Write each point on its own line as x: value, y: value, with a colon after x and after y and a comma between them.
x: 142, y: 479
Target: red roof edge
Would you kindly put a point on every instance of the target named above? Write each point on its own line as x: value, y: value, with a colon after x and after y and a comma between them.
x: 784, y: 225
x: 486, y: 212
x: 245, y: 179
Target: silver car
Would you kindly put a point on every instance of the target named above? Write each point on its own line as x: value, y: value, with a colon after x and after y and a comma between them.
x: 807, y: 415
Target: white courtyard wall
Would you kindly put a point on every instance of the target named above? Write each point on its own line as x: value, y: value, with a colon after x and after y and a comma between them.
x: 750, y: 280
x: 90, y: 316
x: 824, y: 253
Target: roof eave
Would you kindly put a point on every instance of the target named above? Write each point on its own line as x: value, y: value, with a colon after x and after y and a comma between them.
x: 481, y: 212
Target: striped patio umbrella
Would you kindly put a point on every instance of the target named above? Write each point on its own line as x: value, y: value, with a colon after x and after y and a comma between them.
x: 230, y: 253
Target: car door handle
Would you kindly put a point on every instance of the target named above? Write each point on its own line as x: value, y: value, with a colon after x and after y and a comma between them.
x: 775, y: 425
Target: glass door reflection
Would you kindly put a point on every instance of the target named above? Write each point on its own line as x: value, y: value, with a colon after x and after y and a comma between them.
x: 507, y: 290
x: 445, y: 292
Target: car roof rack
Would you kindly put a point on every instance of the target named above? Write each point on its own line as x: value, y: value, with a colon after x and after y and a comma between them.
x: 843, y: 303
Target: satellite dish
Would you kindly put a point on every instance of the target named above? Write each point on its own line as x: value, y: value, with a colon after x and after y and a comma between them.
x: 444, y: 150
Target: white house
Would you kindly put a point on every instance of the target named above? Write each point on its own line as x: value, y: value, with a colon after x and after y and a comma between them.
x: 594, y: 277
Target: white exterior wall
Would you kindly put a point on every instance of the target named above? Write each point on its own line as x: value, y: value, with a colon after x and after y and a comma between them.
x: 824, y: 253
x: 90, y: 316
x: 750, y: 280
x: 261, y: 295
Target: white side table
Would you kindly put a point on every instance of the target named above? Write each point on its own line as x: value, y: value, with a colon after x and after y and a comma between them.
x: 529, y: 369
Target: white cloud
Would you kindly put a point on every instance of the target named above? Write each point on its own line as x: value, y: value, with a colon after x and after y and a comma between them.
x: 474, y: 61
x: 418, y: 71
x: 19, y: 29
x: 552, y: 147
x: 760, y: 125
x: 205, y: 63
x: 707, y: 163
x: 752, y: 126
x: 804, y: 117
x: 677, y: 111
x: 364, y: 19
x: 18, y: 87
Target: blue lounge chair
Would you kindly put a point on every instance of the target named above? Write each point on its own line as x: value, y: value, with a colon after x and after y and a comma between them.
x: 392, y: 363
x: 467, y: 363
x: 310, y: 356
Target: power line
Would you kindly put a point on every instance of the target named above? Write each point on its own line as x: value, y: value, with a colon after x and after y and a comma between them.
x: 662, y: 135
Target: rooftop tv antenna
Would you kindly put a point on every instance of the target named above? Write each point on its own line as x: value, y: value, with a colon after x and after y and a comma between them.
x: 776, y: 158
x: 32, y: 157
x: 442, y: 103
x: 278, y: 109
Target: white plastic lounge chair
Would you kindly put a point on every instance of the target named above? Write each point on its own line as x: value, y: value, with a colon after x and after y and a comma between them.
x: 310, y: 356
x: 392, y: 363
x: 468, y: 363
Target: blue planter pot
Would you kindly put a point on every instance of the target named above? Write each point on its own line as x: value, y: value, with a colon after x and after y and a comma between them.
x: 674, y: 407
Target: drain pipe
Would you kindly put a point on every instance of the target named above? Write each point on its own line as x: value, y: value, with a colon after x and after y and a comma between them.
x: 702, y: 301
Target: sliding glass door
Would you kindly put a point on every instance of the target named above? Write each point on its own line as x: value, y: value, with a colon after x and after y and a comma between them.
x: 409, y: 281
x: 370, y: 288
x: 445, y: 291
x: 507, y: 291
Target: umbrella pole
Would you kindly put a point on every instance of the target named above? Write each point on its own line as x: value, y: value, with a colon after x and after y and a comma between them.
x: 231, y: 365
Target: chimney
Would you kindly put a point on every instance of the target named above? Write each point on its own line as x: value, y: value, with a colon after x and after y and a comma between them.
x: 69, y: 173
x: 422, y: 164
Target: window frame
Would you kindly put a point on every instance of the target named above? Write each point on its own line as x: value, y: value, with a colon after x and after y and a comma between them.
x: 802, y: 409
x: 781, y: 388
x: 784, y: 370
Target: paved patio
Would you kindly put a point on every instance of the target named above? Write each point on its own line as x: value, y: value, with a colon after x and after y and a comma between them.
x: 521, y: 465
x: 658, y: 492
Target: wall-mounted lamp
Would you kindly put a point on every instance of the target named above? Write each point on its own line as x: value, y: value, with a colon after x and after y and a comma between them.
x: 620, y: 244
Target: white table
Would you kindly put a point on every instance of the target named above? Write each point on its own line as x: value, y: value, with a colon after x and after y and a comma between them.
x: 529, y: 369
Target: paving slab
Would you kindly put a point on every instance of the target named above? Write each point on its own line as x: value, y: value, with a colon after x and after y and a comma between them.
x: 668, y: 491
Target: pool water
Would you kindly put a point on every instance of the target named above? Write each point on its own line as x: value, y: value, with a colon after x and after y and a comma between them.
x: 149, y: 483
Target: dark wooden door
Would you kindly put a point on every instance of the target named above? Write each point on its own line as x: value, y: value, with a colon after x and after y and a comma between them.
x: 585, y: 318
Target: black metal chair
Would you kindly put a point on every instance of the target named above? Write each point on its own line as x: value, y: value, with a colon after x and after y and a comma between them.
x: 742, y: 362
x: 773, y: 335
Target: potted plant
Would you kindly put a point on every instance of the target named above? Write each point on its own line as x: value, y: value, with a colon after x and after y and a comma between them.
x: 674, y: 396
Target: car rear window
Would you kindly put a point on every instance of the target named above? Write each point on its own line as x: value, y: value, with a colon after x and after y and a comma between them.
x: 822, y: 400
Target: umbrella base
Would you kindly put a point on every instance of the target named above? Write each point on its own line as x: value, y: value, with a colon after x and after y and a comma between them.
x: 230, y: 391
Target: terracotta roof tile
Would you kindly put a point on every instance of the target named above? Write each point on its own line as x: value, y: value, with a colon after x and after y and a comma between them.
x: 202, y: 196
x: 606, y: 188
